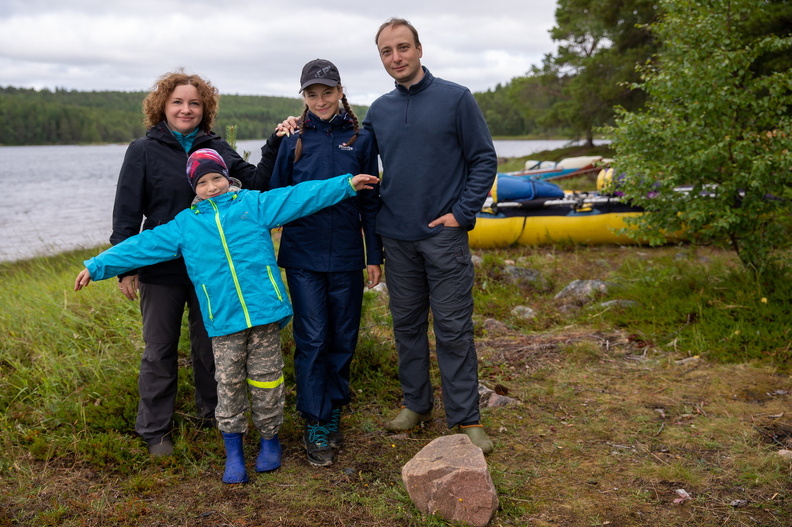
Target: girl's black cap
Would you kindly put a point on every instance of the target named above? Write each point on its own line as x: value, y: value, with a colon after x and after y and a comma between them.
x: 319, y: 71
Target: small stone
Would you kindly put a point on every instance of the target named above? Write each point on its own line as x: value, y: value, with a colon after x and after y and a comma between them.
x: 523, y: 312
x: 495, y: 326
x: 582, y: 291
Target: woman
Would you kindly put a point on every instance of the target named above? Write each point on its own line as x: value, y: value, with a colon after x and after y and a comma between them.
x: 324, y: 254
x: 179, y: 112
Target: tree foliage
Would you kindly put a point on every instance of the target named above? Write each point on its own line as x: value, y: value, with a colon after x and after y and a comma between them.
x: 37, y: 117
x: 717, y: 120
x: 31, y: 117
x: 600, y: 45
x: 575, y: 90
x: 518, y: 107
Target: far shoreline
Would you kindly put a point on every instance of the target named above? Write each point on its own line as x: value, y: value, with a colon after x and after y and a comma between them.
x: 494, y: 138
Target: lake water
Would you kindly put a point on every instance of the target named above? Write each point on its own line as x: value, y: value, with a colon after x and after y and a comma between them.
x: 59, y: 198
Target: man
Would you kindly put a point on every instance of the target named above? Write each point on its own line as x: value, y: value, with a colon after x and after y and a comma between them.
x: 438, y: 166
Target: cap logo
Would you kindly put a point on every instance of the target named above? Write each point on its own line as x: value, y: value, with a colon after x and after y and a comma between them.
x: 323, y: 72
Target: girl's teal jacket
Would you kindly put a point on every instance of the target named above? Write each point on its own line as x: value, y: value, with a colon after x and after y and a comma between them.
x: 227, y: 247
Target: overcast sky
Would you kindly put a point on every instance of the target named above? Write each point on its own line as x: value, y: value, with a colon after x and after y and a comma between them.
x: 255, y: 47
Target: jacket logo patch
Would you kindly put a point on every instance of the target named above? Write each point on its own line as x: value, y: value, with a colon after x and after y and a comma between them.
x: 344, y: 146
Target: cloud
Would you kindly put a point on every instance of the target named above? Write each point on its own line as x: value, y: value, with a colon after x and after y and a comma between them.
x: 251, y: 47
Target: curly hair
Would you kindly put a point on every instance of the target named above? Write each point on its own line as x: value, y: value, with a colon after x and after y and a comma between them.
x: 154, y: 103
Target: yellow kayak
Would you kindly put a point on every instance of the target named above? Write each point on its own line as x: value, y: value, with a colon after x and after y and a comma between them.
x: 522, y: 211
x: 587, y: 218
x: 595, y: 228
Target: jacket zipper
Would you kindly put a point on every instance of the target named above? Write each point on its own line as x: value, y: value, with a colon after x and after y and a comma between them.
x: 208, y: 302
x: 231, y: 264
x: 274, y: 283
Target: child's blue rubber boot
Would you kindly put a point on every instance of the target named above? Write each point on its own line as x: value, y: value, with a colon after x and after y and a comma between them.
x: 235, y: 460
x: 269, y: 456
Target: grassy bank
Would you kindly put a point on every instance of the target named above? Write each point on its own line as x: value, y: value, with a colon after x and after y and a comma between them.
x: 685, y: 386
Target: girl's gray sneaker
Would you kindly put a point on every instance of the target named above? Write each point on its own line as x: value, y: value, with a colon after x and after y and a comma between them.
x: 317, y: 447
x: 334, y: 435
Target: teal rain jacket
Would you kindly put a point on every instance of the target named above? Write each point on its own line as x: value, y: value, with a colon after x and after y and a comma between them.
x: 227, y: 247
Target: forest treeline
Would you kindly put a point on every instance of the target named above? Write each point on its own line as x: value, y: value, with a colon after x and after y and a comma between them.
x: 39, y: 117
x: 603, y: 49
x: 46, y: 117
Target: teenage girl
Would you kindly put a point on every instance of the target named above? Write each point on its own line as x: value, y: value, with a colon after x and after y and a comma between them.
x: 324, y: 254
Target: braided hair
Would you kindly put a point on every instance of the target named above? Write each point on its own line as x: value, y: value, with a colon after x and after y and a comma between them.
x: 300, y: 125
x: 304, y: 117
x: 351, y: 114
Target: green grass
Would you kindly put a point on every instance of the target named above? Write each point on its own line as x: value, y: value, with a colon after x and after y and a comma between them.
x: 607, y: 402
x: 705, y: 305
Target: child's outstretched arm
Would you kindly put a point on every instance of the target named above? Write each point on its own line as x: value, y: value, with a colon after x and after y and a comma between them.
x: 362, y: 181
x: 83, y: 279
x: 285, y: 204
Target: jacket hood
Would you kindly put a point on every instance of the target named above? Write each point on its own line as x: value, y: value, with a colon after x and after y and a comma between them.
x: 236, y: 186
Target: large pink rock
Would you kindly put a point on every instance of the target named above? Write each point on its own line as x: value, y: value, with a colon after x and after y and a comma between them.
x: 449, y: 477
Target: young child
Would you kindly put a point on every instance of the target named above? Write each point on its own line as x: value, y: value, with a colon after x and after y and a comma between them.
x: 225, y: 241
x: 324, y: 255
x: 179, y: 113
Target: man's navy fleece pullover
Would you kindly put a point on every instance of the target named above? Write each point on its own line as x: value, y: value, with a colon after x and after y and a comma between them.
x: 437, y: 157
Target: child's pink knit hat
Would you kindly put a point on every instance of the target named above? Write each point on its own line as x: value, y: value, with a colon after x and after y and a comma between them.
x: 205, y: 161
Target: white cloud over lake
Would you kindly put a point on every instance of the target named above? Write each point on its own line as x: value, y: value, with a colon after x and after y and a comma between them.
x: 258, y: 48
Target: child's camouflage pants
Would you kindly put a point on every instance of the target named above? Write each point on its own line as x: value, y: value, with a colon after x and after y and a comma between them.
x: 250, y: 358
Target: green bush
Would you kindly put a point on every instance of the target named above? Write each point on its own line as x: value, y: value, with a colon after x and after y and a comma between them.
x: 717, y: 120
